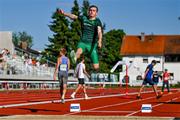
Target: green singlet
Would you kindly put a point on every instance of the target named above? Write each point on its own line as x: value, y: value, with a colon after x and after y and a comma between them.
x: 89, y: 37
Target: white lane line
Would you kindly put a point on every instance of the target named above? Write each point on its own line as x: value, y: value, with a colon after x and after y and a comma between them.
x: 24, y: 104
x: 154, y: 105
x: 110, y: 111
x: 112, y: 105
x: 54, y: 101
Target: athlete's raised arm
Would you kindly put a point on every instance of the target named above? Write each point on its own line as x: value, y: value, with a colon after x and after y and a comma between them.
x: 71, y: 16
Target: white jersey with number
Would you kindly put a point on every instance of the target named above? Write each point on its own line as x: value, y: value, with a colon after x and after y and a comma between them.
x: 80, y: 67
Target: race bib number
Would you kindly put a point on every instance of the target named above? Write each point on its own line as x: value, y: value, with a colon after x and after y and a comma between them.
x: 63, y: 67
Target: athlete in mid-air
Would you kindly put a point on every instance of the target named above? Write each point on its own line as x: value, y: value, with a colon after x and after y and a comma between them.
x: 91, y: 37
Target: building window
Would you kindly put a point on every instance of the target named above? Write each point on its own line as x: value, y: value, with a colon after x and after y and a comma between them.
x: 145, y: 60
x: 172, y: 58
x: 157, y: 61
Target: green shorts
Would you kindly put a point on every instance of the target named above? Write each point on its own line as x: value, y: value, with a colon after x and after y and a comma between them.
x: 91, y: 49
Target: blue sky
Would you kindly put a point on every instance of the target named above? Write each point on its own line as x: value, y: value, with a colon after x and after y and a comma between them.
x: 133, y: 16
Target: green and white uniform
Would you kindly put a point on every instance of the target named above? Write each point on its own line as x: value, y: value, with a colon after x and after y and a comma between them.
x: 89, y: 38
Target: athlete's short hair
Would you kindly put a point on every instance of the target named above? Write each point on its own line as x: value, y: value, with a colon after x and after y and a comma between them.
x: 63, y: 50
x: 94, y: 7
x: 153, y: 61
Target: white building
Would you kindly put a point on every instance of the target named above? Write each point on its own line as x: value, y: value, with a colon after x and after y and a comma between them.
x: 139, y: 51
x: 6, y: 41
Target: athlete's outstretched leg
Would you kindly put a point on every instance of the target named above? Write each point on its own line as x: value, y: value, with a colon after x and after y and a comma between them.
x: 64, y: 91
x: 84, y: 90
x: 155, y: 90
x: 61, y: 89
x: 77, y: 89
x: 140, y: 90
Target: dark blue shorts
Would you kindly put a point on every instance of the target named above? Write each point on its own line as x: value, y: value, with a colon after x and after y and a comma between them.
x: 148, y: 81
x: 155, y: 82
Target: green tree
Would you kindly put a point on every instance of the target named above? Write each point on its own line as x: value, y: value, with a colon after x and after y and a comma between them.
x: 22, y: 37
x: 66, y: 33
x: 85, y: 7
x: 15, y: 39
x: 110, y: 52
x: 75, y: 26
x: 61, y: 36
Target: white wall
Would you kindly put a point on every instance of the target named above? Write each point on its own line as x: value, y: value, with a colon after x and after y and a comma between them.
x: 6, y: 41
x: 137, y: 67
x: 174, y: 68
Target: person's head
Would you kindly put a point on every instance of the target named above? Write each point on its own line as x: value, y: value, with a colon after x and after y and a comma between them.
x: 92, y: 11
x: 62, y: 51
x: 153, y: 62
x: 166, y: 70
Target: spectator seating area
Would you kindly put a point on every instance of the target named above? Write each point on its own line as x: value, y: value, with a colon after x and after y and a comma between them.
x: 13, y: 65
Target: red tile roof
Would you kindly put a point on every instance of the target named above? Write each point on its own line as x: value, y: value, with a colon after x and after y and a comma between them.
x: 152, y: 45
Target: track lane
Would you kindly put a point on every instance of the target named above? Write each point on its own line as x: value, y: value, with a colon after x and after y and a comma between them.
x: 116, y: 104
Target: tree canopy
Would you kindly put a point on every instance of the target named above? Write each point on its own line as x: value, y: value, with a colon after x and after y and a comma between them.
x: 110, y: 52
x: 22, y: 37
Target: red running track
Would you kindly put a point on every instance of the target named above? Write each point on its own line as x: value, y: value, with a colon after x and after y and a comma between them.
x: 101, y: 103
